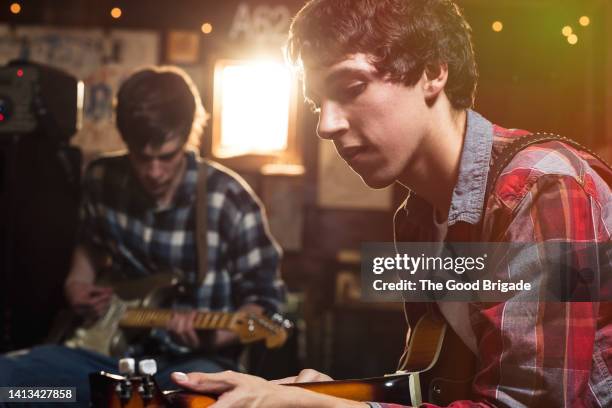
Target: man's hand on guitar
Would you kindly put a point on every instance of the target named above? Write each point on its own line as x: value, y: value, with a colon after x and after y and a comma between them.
x: 88, y: 300
x: 306, y: 375
x: 181, y: 329
x: 239, y: 390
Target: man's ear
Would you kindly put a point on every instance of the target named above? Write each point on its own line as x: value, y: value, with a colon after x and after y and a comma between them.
x: 436, y: 76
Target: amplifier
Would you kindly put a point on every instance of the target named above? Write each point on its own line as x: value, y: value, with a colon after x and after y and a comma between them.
x: 35, y: 97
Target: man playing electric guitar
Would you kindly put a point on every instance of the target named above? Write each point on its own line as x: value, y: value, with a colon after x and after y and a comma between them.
x: 140, y: 209
x: 393, y: 82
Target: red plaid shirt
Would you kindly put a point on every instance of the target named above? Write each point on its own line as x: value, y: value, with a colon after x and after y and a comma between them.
x: 530, y: 353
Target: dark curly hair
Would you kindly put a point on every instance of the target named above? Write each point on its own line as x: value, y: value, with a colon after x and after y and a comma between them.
x: 403, y: 37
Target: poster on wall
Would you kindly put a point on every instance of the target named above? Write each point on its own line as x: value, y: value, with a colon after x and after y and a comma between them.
x: 101, y: 59
x: 342, y: 188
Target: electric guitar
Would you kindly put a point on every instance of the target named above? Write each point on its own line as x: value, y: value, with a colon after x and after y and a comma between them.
x: 135, y: 306
x: 420, y: 381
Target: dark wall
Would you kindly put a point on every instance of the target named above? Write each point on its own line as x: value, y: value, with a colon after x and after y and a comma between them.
x: 40, y: 192
x: 530, y: 77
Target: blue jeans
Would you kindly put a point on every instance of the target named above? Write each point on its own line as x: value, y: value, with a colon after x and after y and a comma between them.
x: 59, y: 366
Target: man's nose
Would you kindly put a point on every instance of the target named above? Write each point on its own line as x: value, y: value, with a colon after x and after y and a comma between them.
x: 332, y: 121
x: 154, y: 169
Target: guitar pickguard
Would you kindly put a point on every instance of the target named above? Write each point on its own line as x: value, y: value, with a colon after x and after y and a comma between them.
x: 103, y: 336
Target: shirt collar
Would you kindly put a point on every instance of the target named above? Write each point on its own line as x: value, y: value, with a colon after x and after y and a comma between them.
x: 468, y: 195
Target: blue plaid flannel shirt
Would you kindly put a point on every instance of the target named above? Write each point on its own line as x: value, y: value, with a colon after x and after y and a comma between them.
x: 243, y: 258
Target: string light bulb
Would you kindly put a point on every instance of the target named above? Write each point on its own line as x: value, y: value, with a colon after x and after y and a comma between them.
x: 497, y: 26
x: 15, y: 8
x: 207, y: 28
x: 584, y: 21
x: 116, y: 12
x: 567, y: 31
x: 572, y: 39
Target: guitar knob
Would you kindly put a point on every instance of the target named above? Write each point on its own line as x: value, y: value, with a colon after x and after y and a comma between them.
x: 147, y: 367
x: 126, y: 367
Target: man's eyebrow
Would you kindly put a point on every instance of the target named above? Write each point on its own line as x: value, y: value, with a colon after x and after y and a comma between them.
x: 337, y: 75
x: 158, y: 156
x: 168, y: 155
x: 347, y: 72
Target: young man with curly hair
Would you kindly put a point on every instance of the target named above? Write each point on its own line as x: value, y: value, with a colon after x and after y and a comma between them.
x: 393, y: 83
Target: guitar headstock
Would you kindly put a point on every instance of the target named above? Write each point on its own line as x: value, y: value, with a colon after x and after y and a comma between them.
x: 138, y: 391
x: 250, y: 327
x: 117, y: 391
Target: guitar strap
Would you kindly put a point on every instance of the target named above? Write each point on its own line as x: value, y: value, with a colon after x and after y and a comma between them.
x: 201, y: 227
x: 510, y: 151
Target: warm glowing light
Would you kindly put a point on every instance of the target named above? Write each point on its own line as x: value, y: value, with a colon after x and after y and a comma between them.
x: 572, y: 39
x: 80, y: 101
x: 584, y: 21
x: 207, y: 28
x: 15, y: 8
x: 115, y: 12
x: 253, y: 100
x: 271, y: 169
x: 20, y: 73
x: 567, y: 31
x: 497, y: 26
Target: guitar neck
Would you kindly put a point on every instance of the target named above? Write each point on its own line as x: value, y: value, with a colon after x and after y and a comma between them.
x: 158, y: 318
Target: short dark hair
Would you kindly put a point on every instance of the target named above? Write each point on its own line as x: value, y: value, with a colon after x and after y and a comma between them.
x: 156, y: 104
x: 404, y: 38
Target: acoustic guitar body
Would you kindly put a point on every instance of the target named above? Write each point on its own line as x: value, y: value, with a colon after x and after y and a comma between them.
x: 442, y: 365
x: 451, y: 378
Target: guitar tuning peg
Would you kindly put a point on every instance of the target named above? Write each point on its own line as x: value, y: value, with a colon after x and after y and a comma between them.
x: 287, y: 324
x: 147, y: 367
x: 127, y: 367
x: 277, y: 318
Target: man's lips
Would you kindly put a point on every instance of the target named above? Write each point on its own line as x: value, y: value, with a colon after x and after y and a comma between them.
x: 351, y: 152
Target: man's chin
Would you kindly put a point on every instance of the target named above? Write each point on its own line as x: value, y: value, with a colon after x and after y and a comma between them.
x: 376, y: 183
x: 156, y: 192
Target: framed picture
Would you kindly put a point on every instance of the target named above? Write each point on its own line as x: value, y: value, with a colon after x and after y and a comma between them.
x: 182, y: 47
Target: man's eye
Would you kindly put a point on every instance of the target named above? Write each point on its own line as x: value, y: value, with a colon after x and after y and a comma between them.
x: 167, y: 157
x: 352, y: 91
